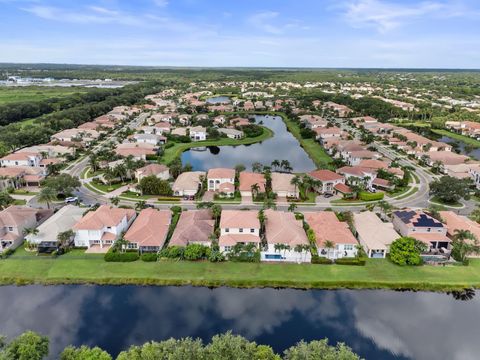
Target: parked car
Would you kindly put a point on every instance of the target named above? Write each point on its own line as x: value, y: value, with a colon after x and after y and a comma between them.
x: 327, y: 196
x: 71, y: 199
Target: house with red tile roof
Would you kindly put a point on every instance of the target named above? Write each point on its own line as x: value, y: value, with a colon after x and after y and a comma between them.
x: 149, y: 230
x: 342, y: 110
x: 238, y: 227
x: 139, y: 151
x: 328, y: 228
x: 21, y: 159
x: 455, y: 222
x: 421, y: 226
x: 282, y: 228
x: 102, y: 227
x: 194, y: 227
x: 160, y: 171
x: 188, y: 183
x: 249, y: 179
x: 283, y: 187
x: 219, y: 176
x: 356, y: 174
x: 330, y: 180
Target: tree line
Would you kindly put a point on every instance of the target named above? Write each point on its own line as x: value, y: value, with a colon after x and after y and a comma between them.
x: 33, y: 346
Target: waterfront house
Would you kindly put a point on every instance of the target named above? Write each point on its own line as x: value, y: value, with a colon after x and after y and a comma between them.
x: 13, y: 222
x: 188, y: 183
x: 232, y: 133
x: 374, y: 235
x: 285, y: 237
x: 198, y: 133
x: 249, y: 180
x: 63, y: 220
x: 219, y: 176
x: 455, y: 222
x: 238, y: 227
x: 356, y: 175
x: 282, y: 186
x: 194, y: 227
x: 139, y: 151
x: 329, y: 180
x: 149, y: 230
x: 152, y: 139
x: 330, y: 231
x: 421, y: 226
x: 102, y: 227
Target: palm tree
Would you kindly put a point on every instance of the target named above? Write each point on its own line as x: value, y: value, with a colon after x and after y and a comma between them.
x: 64, y: 238
x: 329, y: 245
x: 275, y: 164
x: 464, y: 243
x: 115, y: 200
x: 130, y: 166
x: 257, y: 167
x: 47, y: 195
x: 386, y: 207
x: 140, y: 205
x: 216, y: 212
x: 255, y: 189
x: 30, y: 231
x: 5, y: 200
x: 292, y: 207
x: 371, y: 206
x: 296, y: 182
x: 437, y: 166
x: 269, y: 203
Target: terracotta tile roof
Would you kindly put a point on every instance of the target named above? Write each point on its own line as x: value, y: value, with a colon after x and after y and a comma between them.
x: 247, y: 179
x: 104, y: 216
x: 327, y: 227
x: 17, y: 215
x: 282, y: 182
x: 152, y: 169
x: 247, y: 219
x: 221, y: 173
x: 458, y: 222
x: 150, y: 228
x: 189, y: 180
x: 325, y: 175
x: 355, y: 170
x: 283, y: 228
x: 193, y: 226
x: 344, y: 189
x: 373, y: 164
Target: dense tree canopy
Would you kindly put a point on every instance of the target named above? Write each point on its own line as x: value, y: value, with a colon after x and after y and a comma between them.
x: 406, y: 251
x: 449, y: 189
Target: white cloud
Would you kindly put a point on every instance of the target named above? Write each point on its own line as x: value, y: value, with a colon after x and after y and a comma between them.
x: 161, y: 3
x: 264, y: 21
x: 385, y: 16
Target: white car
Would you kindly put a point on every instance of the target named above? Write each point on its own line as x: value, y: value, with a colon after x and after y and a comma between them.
x: 71, y: 199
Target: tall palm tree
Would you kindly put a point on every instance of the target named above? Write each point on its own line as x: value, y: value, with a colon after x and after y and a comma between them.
x: 216, y: 212
x: 275, y: 164
x: 329, y: 245
x: 140, y: 205
x: 296, y: 182
x: 255, y: 190
x: 47, y: 195
x: 64, y: 238
x: 115, y: 200
x: 30, y: 231
x: 464, y: 243
x: 292, y: 207
x: 386, y: 207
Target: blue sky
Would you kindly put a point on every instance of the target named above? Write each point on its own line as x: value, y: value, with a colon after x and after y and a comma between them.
x: 271, y: 33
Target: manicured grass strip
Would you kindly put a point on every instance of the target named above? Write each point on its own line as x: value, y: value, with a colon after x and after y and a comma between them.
x: 312, y: 147
x: 466, y: 139
x: 410, y: 193
x: 92, y: 188
x: 436, y: 201
x: 377, y: 273
x: 176, y: 151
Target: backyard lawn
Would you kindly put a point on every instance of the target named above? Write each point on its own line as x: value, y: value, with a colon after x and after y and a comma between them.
x: 378, y: 273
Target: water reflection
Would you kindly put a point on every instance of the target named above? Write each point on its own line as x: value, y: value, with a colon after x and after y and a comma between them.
x: 218, y: 100
x: 282, y: 146
x: 376, y: 324
x: 463, y: 148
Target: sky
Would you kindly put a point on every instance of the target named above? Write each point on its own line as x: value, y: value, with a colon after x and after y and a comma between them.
x: 246, y: 33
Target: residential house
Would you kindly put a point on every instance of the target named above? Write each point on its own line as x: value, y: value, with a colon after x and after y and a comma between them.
x: 323, y: 134
x: 21, y: 159
x: 355, y: 175
x: 328, y: 229
x: 198, y: 133
x: 283, y: 187
x: 194, y: 227
x: 160, y: 171
x: 152, y: 139
x: 13, y: 222
x: 63, y: 220
x: 238, y: 227
x: 455, y: 222
x: 232, y: 133
x: 421, y: 226
x: 354, y: 158
x: 188, y: 183
x: 249, y: 180
x: 139, y: 151
x: 331, y: 182
x: 342, y: 110
x: 102, y: 227
x: 374, y: 235
x: 286, y: 238
x: 219, y: 176
x: 149, y: 230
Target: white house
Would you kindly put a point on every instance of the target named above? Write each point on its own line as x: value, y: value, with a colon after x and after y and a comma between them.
x: 198, y: 133
x: 21, y: 159
x: 102, y: 227
x: 238, y: 227
x: 329, y: 179
x: 219, y: 176
x: 232, y: 133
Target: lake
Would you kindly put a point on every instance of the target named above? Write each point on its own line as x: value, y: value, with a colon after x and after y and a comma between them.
x: 218, y: 100
x: 474, y: 153
x: 282, y: 146
x: 376, y: 324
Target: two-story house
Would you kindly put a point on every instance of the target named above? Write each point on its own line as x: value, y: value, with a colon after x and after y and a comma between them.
x: 219, y: 176
x: 102, y: 227
x: 238, y: 227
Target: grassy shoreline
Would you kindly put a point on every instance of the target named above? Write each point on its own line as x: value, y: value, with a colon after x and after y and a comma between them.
x: 176, y: 151
x: 376, y: 274
x: 465, y: 139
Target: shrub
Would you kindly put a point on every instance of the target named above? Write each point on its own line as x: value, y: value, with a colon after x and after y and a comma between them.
x: 321, y: 260
x: 121, y: 257
x: 406, y: 251
x: 7, y: 253
x: 196, y: 252
x: 172, y: 252
x: 366, y: 196
x: 351, y: 261
x: 149, y: 257
x: 216, y: 256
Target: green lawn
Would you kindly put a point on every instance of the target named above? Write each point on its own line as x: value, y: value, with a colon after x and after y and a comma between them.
x: 34, y: 93
x: 467, y: 140
x: 378, y: 273
x: 176, y: 151
x: 312, y: 147
x: 435, y: 200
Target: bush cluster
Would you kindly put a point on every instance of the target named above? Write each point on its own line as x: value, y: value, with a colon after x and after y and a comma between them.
x: 366, y: 196
x: 121, y: 257
x: 321, y: 260
x: 149, y: 257
x: 351, y: 261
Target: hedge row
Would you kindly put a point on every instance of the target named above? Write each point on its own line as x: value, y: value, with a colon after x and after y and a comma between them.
x: 321, y: 260
x: 366, y: 196
x: 149, y: 257
x: 351, y: 261
x: 121, y: 257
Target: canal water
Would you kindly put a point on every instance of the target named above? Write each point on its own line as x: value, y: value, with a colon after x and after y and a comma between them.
x: 376, y: 324
x: 462, y: 147
x: 282, y: 146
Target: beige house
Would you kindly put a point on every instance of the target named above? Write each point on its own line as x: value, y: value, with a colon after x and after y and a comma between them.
x: 188, y: 183
x: 149, y: 230
x: 194, y: 227
x: 13, y: 222
x: 282, y: 185
x: 160, y: 171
